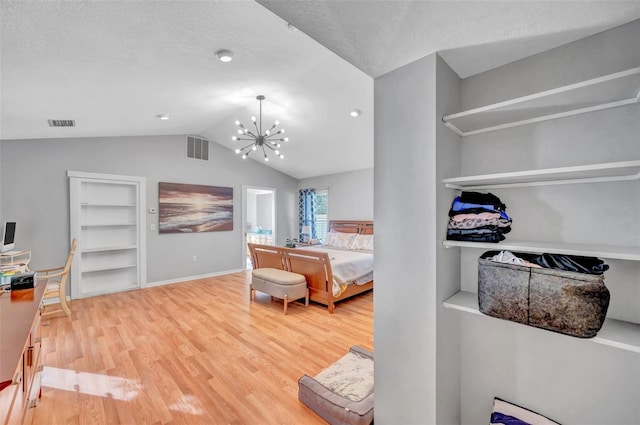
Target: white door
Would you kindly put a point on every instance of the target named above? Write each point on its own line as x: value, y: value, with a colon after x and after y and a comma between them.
x: 259, y: 218
x: 108, y: 220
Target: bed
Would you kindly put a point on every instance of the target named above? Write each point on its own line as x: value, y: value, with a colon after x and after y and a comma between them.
x: 335, y: 271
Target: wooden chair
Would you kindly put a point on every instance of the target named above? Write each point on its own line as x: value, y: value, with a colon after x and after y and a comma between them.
x: 56, y: 281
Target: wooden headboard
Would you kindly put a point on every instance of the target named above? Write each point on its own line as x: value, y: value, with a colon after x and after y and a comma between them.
x: 351, y: 226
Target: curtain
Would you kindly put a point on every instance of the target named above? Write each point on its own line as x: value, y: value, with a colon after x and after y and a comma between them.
x: 307, y: 212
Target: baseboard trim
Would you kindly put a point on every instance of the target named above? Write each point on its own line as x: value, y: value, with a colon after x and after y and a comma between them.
x: 188, y: 278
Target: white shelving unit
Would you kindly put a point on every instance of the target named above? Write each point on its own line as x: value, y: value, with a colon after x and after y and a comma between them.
x: 618, y: 89
x: 614, y: 333
x: 108, y: 220
x: 592, y: 173
x: 609, y: 91
x: 631, y: 253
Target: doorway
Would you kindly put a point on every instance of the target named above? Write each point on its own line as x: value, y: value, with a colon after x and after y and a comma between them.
x: 258, y: 218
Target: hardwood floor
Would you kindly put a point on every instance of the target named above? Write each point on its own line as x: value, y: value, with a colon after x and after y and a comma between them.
x: 192, y: 353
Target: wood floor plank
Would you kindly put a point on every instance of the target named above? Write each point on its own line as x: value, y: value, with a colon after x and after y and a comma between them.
x: 196, y: 352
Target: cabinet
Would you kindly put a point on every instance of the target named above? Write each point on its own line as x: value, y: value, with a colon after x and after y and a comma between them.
x: 108, y: 219
x: 614, y: 90
x: 20, y: 352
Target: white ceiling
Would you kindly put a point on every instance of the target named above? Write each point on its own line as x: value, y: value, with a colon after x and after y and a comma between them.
x: 472, y: 36
x: 114, y: 66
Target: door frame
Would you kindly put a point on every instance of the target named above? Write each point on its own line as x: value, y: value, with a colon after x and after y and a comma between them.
x: 243, y: 233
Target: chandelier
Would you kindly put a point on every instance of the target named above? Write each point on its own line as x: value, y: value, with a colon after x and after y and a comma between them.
x: 269, y: 140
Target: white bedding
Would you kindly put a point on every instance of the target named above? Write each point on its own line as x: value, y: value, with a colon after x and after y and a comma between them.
x: 348, y: 266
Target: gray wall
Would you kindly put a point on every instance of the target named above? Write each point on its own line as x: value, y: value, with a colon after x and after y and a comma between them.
x: 405, y: 260
x: 447, y: 260
x: 264, y: 210
x: 1, y: 218
x: 350, y: 194
x: 251, y: 211
x: 35, y: 192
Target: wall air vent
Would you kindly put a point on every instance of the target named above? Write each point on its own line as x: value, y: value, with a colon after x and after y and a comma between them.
x: 197, y: 148
x: 62, y: 123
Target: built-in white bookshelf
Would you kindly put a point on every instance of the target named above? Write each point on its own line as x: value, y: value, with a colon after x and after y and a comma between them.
x: 108, y: 220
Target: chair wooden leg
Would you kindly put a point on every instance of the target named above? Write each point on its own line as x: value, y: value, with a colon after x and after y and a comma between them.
x: 306, y: 299
x: 286, y: 303
x: 251, y: 293
x: 65, y: 305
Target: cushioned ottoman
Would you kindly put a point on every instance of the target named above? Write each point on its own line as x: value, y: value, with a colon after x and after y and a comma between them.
x: 280, y: 284
x: 342, y: 394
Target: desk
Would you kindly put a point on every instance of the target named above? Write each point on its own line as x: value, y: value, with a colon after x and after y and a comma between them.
x: 20, y: 356
x: 15, y: 258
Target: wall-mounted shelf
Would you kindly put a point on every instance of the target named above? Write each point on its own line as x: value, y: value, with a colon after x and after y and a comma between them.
x: 609, y: 91
x: 114, y: 267
x: 87, y: 204
x: 110, y: 225
x: 592, y: 173
x: 109, y: 248
x: 631, y: 253
x: 614, y: 333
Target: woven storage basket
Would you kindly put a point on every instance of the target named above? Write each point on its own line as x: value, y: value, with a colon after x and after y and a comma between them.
x: 561, y: 301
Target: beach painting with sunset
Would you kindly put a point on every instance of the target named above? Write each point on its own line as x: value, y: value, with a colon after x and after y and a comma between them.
x: 191, y: 208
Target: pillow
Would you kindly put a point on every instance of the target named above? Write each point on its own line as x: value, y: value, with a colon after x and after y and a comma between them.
x: 505, y: 413
x: 350, y: 377
x: 363, y: 242
x: 340, y: 240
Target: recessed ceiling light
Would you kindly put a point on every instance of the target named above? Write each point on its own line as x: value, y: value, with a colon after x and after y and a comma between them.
x: 163, y: 117
x: 225, y: 55
x: 354, y: 112
x: 292, y: 28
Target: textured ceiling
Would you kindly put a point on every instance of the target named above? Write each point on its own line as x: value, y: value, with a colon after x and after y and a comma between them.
x: 472, y: 36
x: 113, y: 66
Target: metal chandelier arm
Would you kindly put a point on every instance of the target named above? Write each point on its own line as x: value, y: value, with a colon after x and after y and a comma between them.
x: 248, y: 146
x: 268, y: 139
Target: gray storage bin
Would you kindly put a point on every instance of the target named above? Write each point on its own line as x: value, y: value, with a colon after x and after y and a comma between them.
x: 561, y: 301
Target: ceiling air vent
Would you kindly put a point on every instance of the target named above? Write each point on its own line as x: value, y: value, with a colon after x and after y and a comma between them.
x: 197, y: 148
x: 62, y: 123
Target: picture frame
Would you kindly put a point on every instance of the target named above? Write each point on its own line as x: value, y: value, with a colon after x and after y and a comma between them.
x: 193, y: 208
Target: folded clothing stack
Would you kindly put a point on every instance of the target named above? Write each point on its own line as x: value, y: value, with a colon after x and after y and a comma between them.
x: 478, y: 217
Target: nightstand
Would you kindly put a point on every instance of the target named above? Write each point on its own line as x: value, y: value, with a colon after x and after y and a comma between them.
x: 306, y: 244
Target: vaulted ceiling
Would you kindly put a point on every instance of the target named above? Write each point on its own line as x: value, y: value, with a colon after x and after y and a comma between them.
x: 114, y: 66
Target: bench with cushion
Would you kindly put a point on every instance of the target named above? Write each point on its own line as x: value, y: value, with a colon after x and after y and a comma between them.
x: 280, y: 284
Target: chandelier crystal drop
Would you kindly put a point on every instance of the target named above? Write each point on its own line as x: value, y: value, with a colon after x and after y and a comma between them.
x: 264, y: 141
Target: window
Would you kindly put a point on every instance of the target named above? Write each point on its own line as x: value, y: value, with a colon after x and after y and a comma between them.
x: 322, y: 209
x: 312, y: 212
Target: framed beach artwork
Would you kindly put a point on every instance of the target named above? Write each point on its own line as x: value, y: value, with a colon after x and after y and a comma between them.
x: 191, y: 208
